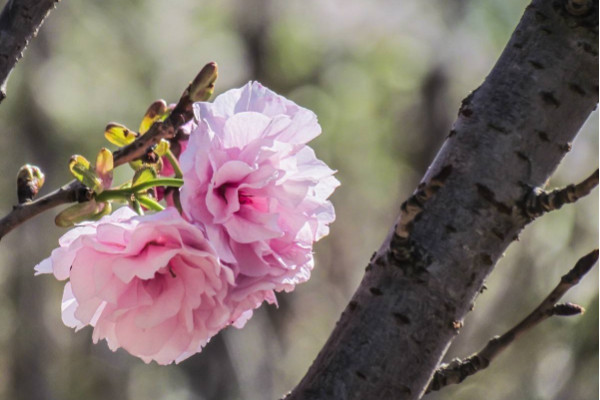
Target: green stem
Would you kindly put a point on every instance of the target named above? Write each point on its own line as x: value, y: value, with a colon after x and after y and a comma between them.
x: 174, y: 163
x: 126, y: 193
x: 150, y: 204
x: 173, y: 182
x: 135, y: 204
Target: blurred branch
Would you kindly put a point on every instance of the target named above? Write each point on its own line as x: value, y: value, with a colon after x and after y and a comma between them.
x: 421, y: 283
x: 432, y: 117
x: 199, y: 89
x: 19, y: 22
x: 253, y: 21
x: 539, y: 202
x: 458, y: 370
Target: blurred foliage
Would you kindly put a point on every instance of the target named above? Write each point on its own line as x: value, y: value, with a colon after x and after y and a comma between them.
x: 385, y: 79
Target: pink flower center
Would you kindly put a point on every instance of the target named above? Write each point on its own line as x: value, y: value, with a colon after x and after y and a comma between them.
x: 245, y: 198
x: 221, y: 190
x: 225, y: 191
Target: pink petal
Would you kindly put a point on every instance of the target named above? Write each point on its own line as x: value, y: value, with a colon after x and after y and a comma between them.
x: 248, y: 226
x: 166, y: 305
x: 243, y: 128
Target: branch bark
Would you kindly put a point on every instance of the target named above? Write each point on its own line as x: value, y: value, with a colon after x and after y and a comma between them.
x: 509, y: 137
x: 19, y: 22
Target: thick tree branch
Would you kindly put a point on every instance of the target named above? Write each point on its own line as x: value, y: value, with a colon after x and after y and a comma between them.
x: 511, y: 133
x: 19, y: 22
x: 200, y: 88
x: 458, y: 370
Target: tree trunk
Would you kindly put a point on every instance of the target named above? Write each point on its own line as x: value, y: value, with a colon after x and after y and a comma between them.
x: 509, y: 137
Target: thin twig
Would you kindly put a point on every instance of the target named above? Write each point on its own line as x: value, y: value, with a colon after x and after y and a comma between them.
x: 19, y: 22
x: 458, y: 370
x: 540, y: 202
x: 199, y: 89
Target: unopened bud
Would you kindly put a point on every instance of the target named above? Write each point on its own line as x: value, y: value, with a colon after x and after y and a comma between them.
x: 567, y: 309
x: 30, y: 179
x: 203, y: 85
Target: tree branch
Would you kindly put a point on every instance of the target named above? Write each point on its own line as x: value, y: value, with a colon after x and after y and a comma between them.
x: 458, y: 370
x: 513, y: 130
x: 199, y: 89
x: 539, y: 202
x: 19, y: 22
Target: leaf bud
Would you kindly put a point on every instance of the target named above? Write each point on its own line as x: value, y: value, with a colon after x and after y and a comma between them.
x: 30, y: 179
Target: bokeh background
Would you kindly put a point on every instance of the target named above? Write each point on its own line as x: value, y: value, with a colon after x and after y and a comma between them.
x: 386, y: 79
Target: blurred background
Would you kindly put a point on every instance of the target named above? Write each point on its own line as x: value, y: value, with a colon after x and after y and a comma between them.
x: 386, y: 79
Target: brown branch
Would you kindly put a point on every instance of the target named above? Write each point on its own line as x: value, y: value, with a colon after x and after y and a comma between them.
x: 19, y: 22
x: 199, y: 89
x: 458, y: 370
x: 539, y: 202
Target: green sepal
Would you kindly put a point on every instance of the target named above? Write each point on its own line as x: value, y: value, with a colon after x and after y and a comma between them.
x: 162, y: 147
x: 144, y: 174
x: 104, y: 166
x: 87, y: 211
x: 136, y: 164
x: 82, y: 171
x: 119, y: 135
x: 156, y: 112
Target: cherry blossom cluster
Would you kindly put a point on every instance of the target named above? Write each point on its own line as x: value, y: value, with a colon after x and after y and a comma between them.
x: 254, y: 200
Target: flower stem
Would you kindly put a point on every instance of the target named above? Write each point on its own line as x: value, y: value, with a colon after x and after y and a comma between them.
x: 126, y: 193
x: 150, y: 203
x: 173, y: 182
x: 174, y: 163
x: 135, y: 204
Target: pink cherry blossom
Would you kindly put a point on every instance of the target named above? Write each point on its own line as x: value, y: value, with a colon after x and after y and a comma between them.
x: 257, y: 189
x: 150, y: 284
